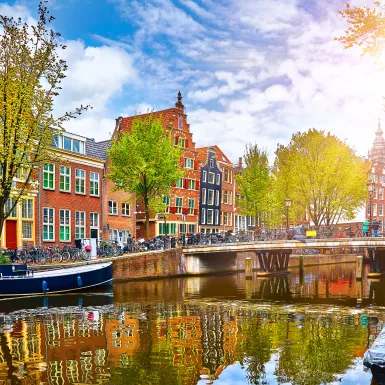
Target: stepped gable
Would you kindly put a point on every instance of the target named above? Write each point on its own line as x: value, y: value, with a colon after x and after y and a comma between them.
x: 377, y: 153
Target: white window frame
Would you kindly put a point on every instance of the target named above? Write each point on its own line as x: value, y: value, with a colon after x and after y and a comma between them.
x: 179, y: 183
x: 208, y: 197
x: 191, y: 184
x: 218, y: 177
x: 49, y: 172
x: 208, y: 216
x: 27, y: 207
x: 124, y: 209
x: 49, y: 223
x: 65, y: 175
x: 167, y: 201
x: 112, y: 231
x: 204, y: 176
x: 65, y: 225
x: 192, y: 208
x: 211, y: 163
x: 95, y: 181
x: 211, y: 179
x: 217, y: 217
x: 78, y: 227
x: 203, y: 216
x: 113, y: 209
x: 189, y: 163
x: 30, y: 223
x: 81, y: 179
x: 92, y: 220
x: 217, y: 198
x: 178, y: 209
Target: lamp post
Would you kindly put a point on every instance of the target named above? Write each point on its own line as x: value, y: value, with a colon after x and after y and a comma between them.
x: 287, y: 204
x: 370, y: 185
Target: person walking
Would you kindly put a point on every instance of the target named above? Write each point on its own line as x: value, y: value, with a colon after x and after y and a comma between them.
x: 365, y: 228
x: 375, y: 227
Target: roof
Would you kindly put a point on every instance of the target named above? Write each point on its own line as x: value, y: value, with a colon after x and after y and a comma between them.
x: 97, y: 149
x: 221, y: 157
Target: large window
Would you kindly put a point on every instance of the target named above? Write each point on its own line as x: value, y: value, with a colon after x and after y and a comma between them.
x: 8, y: 206
x: 69, y: 144
x: 166, y: 201
x: 48, y: 224
x: 189, y: 163
x: 27, y: 209
x: 204, y: 176
x: 179, y: 204
x: 191, y: 184
x: 217, y: 217
x: 203, y: 216
x: 65, y: 178
x: 210, y: 217
x: 381, y: 194
x: 65, y: 225
x: 217, y: 198
x: 112, y: 234
x: 168, y: 228
x: 182, y: 142
x: 191, y: 206
x: 218, y: 179
x: 225, y: 196
x: 227, y: 218
x: 94, y: 220
x: 210, y: 197
x: 191, y: 228
x: 80, y: 224
x: 203, y: 196
x: 126, y: 209
x: 113, y: 207
x: 211, y: 177
x: 182, y: 228
x: 49, y: 176
x: 227, y: 175
x: 80, y: 181
x: 94, y: 183
x: 26, y: 229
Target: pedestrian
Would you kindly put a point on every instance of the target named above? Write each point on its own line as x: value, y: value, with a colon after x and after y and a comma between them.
x: 365, y: 228
x: 375, y: 227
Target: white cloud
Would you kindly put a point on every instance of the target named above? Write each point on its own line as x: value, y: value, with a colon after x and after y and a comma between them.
x: 200, y: 11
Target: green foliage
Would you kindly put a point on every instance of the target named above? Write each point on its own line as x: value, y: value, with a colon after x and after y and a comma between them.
x: 30, y: 76
x: 4, y: 259
x: 145, y: 162
x: 322, y: 175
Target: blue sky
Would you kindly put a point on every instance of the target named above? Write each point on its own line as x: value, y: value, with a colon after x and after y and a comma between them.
x: 249, y: 70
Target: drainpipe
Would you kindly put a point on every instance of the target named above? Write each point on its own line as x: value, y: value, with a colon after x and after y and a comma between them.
x: 39, y: 206
x: 102, y: 202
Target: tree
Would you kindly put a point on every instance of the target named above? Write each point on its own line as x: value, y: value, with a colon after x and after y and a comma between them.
x: 30, y: 76
x: 145, y: 162
x: 322, y: 175
x: 254, y: 183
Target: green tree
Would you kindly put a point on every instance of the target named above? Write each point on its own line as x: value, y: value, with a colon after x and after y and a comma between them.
x: 322, y: 175
x: 30, y: 75
x: 255, y: 184
x: 145, y: 162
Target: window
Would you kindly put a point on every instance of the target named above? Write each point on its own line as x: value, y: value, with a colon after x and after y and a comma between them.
x: 126, y: 209
x: 166, y: 201
x: 189, y: 163
x: 112, y: 208
x: 27, y: 209
x: 381, y: 194
x: 182, y: 142
x: 80, y: 181
x: 218, y: 179
x: 112, y: 234
x: 179, y: 204
x: 69, y: 144
x: 383, y: 179
x: 48, y: 224
x: 49, y: 176
x: 22, y: 173
x: 80, y: 224
x: 210, y: 217
x: 369, y: 209
x: 191, y: 206
x: 374, y: 209
x: 191, y: 228
x: 381, y: 210
x: 8, y: 206
x: 179, y: 183
x: 180, y: 123
x: 227, y: 175
x: 217, y: 217
x: 211, y: 177
x: 191, y: 184
x: 203, y: 196
x: 225, y: 197
x: 26, y: 228
x: 169, y: 228
x: 227, y: 219
x: 230, y: 197
x: 94, y: 183
x: 94, y: 220
x: 65, y: 225
x: 125, y: 234
x: 217, y: 198
x: 375, y: 192
x: 203, y: 216
x: 211, y: 163
x: 204, y: 176
x: 65, y: 178
x: 182, y: 228
x: 210, y: 197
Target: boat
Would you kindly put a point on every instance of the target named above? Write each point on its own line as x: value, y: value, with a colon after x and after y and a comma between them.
x: 16, y: 280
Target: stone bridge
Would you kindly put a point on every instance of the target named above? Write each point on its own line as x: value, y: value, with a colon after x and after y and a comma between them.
x: 272, y: 258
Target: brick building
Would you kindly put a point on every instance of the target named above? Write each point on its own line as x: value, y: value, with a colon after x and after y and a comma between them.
x: 377, y: 176
x: 181, y: 215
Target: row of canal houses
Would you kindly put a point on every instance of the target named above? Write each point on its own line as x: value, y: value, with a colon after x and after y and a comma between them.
x: 74, y: 199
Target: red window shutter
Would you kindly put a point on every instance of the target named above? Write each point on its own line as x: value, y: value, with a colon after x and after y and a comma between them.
x: 186, y: 143
x: 186, y: 183
x: 196, y: 165
x: 185, y: 210
x: 195, y: 211
x: 173, y: 210
x: 197, y: 184
x: 176, y: 140
x: 181, y: 161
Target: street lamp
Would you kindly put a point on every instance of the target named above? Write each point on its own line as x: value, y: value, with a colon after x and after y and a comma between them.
x: 370, y: 185
x: 287, y: 204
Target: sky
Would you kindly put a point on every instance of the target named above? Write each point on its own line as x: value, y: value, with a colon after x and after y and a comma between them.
x: 250, y: 71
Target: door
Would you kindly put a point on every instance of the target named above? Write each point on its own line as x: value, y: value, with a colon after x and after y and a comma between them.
x: 10, y: 234
x: 94, y: 233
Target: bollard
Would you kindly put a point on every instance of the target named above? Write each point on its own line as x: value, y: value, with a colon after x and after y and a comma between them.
x: 249, y: 268
x: 360, y: 261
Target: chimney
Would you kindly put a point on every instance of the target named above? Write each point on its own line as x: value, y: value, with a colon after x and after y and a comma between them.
x: 240, y: 164
x: 117, y: 122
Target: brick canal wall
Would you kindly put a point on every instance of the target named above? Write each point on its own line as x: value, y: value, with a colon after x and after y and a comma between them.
x: 312, y: 260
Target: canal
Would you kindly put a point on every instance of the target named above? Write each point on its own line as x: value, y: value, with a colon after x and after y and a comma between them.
x: 311, y: 327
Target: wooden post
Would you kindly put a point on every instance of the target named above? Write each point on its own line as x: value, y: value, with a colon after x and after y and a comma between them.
x: 359, y: 264
x: 249, y: 268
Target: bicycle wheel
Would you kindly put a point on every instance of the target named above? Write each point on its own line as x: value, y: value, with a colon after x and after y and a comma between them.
x: 42, y: 258
x: 86, y: 255
x: 65, y: 256
x: 56, y: 258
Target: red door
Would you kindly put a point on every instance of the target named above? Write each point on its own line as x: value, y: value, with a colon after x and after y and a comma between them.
x: 10, y: 235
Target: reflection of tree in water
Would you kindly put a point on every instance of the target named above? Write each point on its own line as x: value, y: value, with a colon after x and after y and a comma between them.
x: 318, y: 351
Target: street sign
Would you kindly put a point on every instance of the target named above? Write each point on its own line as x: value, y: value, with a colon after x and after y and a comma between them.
x: 311, y: 233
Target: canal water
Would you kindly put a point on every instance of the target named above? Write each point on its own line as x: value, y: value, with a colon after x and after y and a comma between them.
x: 309, y: 328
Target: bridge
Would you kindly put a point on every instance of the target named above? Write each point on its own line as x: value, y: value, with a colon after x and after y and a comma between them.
x: 272, y: 258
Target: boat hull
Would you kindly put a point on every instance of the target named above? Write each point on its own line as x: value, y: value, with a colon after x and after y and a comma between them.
x: 57, y: 281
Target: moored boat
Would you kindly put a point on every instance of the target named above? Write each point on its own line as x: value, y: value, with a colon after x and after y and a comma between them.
x: 17, y: 280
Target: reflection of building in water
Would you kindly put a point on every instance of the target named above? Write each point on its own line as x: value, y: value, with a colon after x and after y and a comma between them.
x: 122, y: 334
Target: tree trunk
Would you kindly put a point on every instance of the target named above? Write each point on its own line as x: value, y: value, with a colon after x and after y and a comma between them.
x: 2, y: 218
x: 147, y: 210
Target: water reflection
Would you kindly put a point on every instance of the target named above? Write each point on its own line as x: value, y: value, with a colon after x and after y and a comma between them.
x: 209, y: 330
